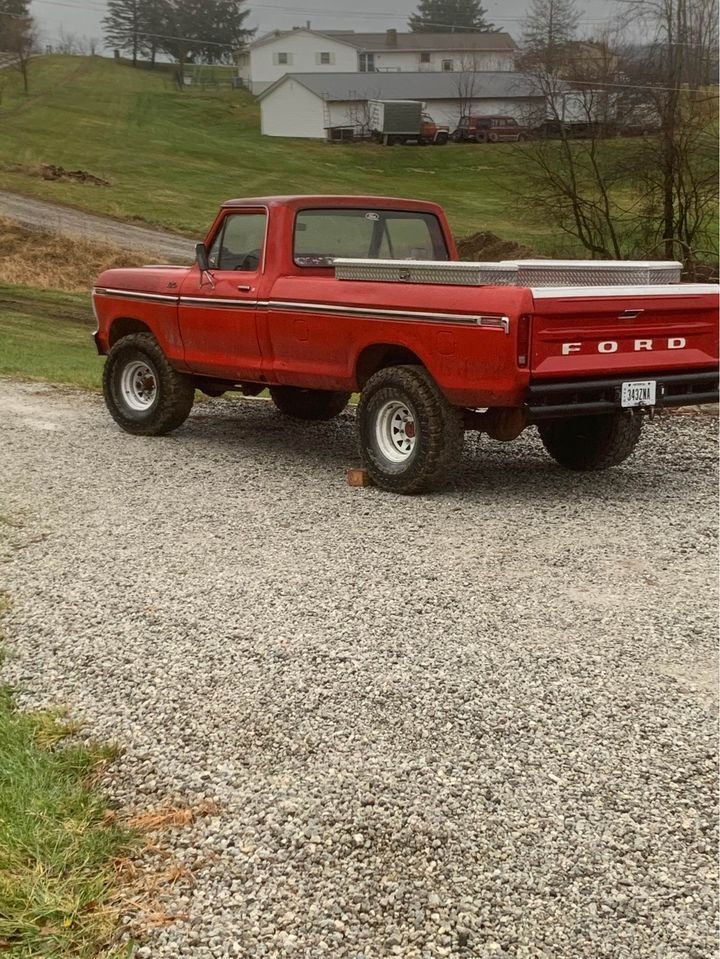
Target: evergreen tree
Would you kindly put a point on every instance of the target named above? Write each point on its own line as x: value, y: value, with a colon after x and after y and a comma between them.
x: 124, y: 27
x: 155, y: 23
x: 450, y: 16
x: 203, y: 30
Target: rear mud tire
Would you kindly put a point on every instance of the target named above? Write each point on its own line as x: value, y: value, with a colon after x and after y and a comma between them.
x: 587, y: 443
x: 308, y: 404
x: 143, y: 393
x: 429, y: 459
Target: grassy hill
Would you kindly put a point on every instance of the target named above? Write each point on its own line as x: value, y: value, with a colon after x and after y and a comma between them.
x: 172, y: 156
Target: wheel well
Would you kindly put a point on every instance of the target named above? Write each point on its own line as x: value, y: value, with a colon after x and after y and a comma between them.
x: 379, y: 357
x: 124, y: 326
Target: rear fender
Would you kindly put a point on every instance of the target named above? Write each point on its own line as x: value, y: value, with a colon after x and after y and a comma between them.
x: 379, y: 356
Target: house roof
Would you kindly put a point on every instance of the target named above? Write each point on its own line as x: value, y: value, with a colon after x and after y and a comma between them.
x: 425, y: 41
x: 412, y: 86
x: 280, y: 34
x: 406, y: 42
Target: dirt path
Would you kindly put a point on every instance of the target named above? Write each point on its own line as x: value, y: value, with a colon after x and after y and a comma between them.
x: 66, y: 220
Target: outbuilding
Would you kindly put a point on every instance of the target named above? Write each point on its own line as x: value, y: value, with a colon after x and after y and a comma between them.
x: 312, y: 104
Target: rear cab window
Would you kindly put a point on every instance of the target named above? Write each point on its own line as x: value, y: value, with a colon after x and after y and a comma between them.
x: 321, y: 235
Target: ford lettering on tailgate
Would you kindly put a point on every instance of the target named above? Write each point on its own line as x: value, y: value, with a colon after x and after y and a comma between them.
x: 612, y: 346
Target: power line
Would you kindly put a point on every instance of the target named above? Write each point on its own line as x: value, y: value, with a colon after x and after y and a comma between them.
x: 311, y: 11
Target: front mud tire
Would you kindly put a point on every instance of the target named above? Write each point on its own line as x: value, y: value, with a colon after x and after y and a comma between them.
x: 143, y: 393
x: 410, y: 438
x: 587, y: 443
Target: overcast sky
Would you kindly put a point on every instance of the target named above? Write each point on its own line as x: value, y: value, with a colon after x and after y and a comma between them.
x: 82, y: 17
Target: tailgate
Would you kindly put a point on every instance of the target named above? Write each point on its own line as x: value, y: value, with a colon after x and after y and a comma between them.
x: 583, y: 332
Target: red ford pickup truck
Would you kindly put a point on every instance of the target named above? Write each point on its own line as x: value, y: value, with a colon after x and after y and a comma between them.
x: 317, y: 297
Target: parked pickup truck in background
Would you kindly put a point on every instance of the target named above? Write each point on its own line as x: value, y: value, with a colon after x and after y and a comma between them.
x: 317, y: 297
x: 489, y: 129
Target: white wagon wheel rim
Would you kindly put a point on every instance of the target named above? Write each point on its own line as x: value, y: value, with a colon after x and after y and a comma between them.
x: 395, y: 431
x: 138, y: 385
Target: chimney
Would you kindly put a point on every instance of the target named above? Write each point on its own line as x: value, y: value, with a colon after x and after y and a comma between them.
x: 391, y: 38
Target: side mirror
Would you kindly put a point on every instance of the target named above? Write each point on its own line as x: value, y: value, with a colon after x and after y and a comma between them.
x: 201, y: 256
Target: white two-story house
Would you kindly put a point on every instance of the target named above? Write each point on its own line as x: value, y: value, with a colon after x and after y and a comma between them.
x: 304, y: 50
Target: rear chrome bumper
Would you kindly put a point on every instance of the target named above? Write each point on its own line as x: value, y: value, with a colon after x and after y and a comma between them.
x: 580, y: 397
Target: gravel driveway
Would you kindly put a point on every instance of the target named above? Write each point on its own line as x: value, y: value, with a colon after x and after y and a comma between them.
x: 64, y: 219
x: 472, y: 724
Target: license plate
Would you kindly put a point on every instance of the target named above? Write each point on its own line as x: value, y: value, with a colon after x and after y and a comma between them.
x: 641, y: 393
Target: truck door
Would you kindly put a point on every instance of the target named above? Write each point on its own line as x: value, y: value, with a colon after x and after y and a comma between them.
x: 218, y: 309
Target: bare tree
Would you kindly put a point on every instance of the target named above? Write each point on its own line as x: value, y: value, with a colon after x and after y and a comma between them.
x: 654, y: 193
x: 573, y: 180
x: 358, y: 114
x: 466, y: 85
x: 549, y: 27
x: 68, y: 43
x: 678, y: 167
x: 20, y: 38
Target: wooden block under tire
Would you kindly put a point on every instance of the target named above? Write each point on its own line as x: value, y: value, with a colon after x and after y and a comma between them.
x: 358, y: 477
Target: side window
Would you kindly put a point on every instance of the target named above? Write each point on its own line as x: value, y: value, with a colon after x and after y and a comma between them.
x: 239, y: 243
x: 448, y: 66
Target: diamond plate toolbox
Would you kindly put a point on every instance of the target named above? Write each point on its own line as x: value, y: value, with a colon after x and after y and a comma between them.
x: 530, y: 273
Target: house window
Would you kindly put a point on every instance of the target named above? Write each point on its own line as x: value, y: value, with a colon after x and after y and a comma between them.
x: 324, y: 58
x: 282, y: 59
x: 367, y: 63
x: 448, y: 66
x: 425, y: 57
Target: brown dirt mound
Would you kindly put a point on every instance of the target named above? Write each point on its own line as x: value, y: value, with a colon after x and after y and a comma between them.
x: 488, y: 246
x: 38, y: 258
x: 49, y: 171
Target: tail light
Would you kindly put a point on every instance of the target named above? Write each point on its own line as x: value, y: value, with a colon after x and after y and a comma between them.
x: 523, y: 341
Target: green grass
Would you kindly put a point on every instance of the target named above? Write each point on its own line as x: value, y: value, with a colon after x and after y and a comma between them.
x: 47, y: 335
x: 173, y: 156
x: 57, y: 844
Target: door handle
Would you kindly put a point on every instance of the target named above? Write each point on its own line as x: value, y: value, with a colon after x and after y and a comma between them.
x: 244, y: 288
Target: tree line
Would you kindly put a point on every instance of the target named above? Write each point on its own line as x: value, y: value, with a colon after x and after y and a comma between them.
x: 209, y: 31
x: 212, y: 31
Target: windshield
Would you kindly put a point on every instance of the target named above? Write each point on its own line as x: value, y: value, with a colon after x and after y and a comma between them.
x: 322, y: 235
